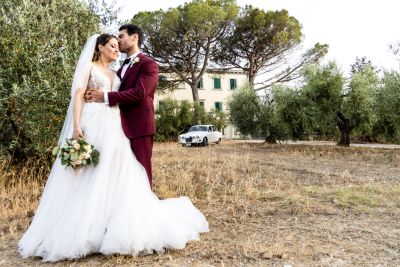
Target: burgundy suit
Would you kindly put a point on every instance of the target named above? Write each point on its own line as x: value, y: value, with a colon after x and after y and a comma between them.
x: 135, y: 99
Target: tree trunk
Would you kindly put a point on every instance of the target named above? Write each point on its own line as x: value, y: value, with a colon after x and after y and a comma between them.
x: 195, y: 92
x: 270, y: 139
x: 345, y: 128
x: 251, y: 78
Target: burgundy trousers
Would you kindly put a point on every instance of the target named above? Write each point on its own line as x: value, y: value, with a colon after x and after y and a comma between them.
x: 142, y: 147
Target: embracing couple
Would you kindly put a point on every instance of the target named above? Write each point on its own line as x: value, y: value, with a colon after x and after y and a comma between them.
x: 110, y: 208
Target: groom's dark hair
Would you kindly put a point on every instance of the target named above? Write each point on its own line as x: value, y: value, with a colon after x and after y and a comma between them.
x: 132, y: 29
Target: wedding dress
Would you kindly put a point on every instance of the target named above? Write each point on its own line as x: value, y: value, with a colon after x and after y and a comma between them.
x: 109, y: 208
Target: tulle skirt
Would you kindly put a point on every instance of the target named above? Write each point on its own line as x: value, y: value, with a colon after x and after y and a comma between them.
x: 109, y: 208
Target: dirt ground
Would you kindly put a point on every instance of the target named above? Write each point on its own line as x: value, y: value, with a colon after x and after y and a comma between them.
x: 267, y: 205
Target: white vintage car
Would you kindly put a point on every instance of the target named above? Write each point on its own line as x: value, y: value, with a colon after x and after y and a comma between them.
x: 200, y: 135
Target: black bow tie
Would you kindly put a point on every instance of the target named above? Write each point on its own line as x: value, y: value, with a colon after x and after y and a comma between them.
x: 126, y: 61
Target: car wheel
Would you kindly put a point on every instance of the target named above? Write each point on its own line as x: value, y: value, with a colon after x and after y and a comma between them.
x: 205, y: 141
x: 219, y: 141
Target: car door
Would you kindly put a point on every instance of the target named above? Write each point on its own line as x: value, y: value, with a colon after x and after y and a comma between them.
x: 217, y: 134
x: 209, y: 134
x: 213, y: 137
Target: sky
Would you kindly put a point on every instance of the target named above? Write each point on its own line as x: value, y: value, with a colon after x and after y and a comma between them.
x: 351, y: 28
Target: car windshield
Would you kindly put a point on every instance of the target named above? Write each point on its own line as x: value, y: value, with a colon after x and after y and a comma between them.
x: 198, y: 128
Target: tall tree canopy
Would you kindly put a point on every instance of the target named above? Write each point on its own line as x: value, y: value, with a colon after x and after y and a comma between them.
x: 261, y: 42
x: 183, y: 39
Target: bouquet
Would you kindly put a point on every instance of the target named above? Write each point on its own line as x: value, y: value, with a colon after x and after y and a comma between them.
x: 77, y: 153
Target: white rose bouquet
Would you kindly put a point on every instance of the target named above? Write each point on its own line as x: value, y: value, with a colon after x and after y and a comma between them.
x: 77, y: 153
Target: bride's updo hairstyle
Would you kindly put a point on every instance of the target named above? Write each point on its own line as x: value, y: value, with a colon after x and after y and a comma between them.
x: 101, y: 40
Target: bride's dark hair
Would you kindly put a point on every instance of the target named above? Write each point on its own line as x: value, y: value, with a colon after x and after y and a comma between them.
x: 103, y: 39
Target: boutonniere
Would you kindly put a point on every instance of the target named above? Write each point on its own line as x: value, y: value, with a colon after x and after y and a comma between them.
x: 134, y: 61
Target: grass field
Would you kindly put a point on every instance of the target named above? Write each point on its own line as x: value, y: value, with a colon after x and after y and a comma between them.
x: 267, y: 205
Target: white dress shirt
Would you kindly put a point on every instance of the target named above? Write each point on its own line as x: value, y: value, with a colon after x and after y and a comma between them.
x: 124, y: 68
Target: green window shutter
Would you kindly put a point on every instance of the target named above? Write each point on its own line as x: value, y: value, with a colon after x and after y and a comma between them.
x: 233, y: 84
x: 217, y: 83
x: 200, y: 84
x: 218, y: 106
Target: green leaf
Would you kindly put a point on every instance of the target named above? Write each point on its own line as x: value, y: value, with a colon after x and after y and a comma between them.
x: 82, y: 142
x: 55, y: 151
x: 95, y: 157
x: 74, y: 156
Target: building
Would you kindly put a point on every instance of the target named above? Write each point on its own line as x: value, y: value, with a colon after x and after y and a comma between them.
x: 215, y: 87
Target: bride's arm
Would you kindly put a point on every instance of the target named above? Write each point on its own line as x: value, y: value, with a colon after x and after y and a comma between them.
x: 78, y: 103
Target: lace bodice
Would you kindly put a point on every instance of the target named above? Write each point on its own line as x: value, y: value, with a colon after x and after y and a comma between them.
x: 101, y: 81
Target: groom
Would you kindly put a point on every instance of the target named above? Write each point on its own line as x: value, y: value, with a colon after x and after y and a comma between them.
x: 139, y: 77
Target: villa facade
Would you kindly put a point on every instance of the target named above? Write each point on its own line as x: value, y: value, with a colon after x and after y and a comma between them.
x: 215, y: 88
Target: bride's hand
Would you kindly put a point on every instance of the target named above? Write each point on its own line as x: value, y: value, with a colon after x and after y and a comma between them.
x: 77, y: 133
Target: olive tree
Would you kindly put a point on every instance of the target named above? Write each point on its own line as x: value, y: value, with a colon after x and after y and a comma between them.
x: 40, y: 41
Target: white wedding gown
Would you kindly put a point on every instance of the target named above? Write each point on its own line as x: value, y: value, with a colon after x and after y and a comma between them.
x: 109, y: 208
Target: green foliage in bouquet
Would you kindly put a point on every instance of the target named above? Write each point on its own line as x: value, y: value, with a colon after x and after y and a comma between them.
x: 77, y: 153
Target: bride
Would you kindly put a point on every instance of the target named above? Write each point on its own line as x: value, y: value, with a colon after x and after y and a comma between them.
x: 109, y: 208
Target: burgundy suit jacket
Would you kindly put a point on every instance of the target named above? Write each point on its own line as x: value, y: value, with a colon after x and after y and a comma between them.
x: 135, y: 97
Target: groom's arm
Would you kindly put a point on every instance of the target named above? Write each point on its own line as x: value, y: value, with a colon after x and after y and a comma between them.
x: 145, y: 85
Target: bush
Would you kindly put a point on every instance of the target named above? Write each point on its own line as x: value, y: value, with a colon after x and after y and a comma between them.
x: 40, y: 42
x: 260, y: 116
x: 387, y: 126
x: 174, y: 118
x: 245, y: 111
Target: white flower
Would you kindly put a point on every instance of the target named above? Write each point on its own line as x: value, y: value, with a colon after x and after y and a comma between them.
x: 72, y: 151
x: 87, y: 155
x: 77, y: 146
x: 82, y: 156
x: 134, y: 61
x: 78, y: 162
x: 87, y: 147
x: 74, y: 142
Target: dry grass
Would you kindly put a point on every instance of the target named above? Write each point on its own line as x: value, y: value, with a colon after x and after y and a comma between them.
x: 267, y: 205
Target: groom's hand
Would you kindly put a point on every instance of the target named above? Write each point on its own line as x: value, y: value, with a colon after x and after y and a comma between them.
x: 93, y: 95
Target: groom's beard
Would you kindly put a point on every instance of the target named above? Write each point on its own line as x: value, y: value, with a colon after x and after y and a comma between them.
x: 123, y: 49
x: 127, y: 50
